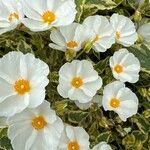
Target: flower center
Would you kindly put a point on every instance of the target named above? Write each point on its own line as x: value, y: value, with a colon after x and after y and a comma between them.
x: 118, y: 35
x: 77, y: 82
x: 73, y: 145
x: 48, y: 17
x: 38, y: 123
x: 118, y: 68
x: 72, y: 44
x: 13, y: 16
x: 115, y: 103
x: 97, y: 38
x: 22, y: 86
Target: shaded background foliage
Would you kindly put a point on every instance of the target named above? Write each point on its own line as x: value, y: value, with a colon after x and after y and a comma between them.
x: 100, y: 125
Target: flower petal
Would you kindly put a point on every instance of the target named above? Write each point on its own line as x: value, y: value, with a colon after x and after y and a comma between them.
x: 18, y: 103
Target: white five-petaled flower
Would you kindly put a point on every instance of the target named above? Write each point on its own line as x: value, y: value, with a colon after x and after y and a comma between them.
x: 102, y: 146
x: 23, y: 79
x: 44, y: 14
x: 11, y: 15
x: 124, y: 30
x: 125, y: 66
x: 78, y: 81
x: 144, y: 31
x: 74, y: 138
x: 102, y: 32
x: 35, y: 129
x: 120, y: 99
x: 71, y: 37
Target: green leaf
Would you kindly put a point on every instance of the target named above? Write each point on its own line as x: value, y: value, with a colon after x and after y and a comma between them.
x: 128, y: 141
x: 53, y: 77
x: 133, y: 3
x: 5, y: 144
x: 104, y: 136
x: 135, y: 140
x: 144, y: 7
x: 76, y: 116
x: 101, y: 65
x: 3, y: 132
x: 102, y: 4
x: 88, y: 11
x: 79, y: 7
x: 61, y: 107
x: 24, y: 47
x: 146, y: 113
x: 142, y: 123
x: 142, y: 52
x: 140, y: 136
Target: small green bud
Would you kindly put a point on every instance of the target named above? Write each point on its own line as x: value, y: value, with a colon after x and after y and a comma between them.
x: 140, y: 39
x: 60, y: 107
x: 137, y: 16
x: 103, y: 122
x: 70, y: 54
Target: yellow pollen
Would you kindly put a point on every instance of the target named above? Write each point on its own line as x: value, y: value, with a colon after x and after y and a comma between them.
x: 48, y: 17
x: 22, y: 86
x: 12, y: 16
x: 38, y: 123
x: 115, y: 103
x: 77, y: 82
x: 73, y: 145
x: 118, y: 35
x: 118, y: 68
x: 97, y: 38
x: 72, y: 44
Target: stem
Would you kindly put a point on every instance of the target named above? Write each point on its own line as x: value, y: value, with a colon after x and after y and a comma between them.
x: 144, y: 70
x: 79, y: 54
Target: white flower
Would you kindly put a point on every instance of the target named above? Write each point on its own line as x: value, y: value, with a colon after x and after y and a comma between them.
x: 124, y: 30
x: 44, y: 14
x: 120, y: 99
x: 78, y: 81
x: 11, y: 15
x: 23, y: 79
x: 3, y: 122
x: 102, y: 146
x: 71, y: 37
x: 125, y: 66
x: 102, y: 32
x: 96, y: 99
x: 35, y: 129
x: 144, y: 31
x: 74, y: 138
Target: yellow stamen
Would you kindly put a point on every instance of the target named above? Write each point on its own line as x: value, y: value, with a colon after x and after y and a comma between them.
x: 118, y: 35
x: 115, y: 103
x: 97, y: 38
x: 72, y: 44
x: 73, y: 145
x: 48, y: 17
x: 77, y: 82
x: 12, y: 16
x: 22, y: 86
x: 38, y: 123
x: 118, y: 68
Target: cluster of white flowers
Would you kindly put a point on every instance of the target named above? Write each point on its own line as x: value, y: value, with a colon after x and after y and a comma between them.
x: 32, y: 124
x: 79, y: 82
x: 98, y: 29
x: 39, y: 15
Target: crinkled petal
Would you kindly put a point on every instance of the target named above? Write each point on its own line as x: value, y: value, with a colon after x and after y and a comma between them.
x: 17, y: 103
